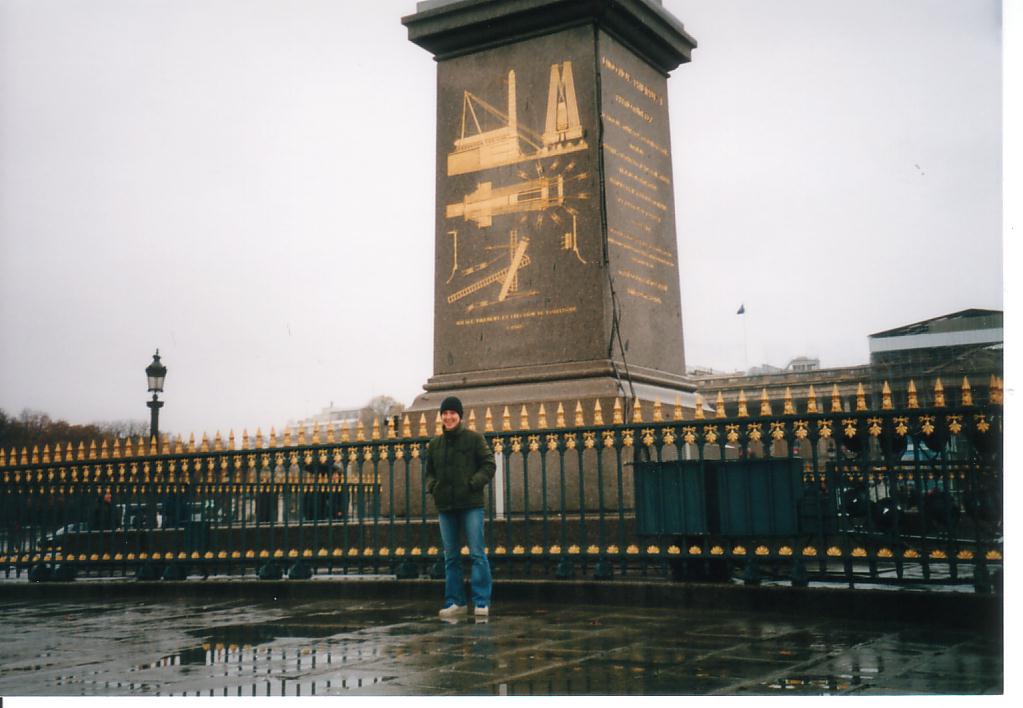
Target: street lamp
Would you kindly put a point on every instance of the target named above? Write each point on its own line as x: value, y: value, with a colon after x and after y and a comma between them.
x: 155, y: 372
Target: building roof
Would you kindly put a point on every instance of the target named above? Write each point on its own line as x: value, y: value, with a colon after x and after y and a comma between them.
x: 963, y: 320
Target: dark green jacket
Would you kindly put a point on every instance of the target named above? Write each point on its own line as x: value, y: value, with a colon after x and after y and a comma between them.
x: 459, y: 464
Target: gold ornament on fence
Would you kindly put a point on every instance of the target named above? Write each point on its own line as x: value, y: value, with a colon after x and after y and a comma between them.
x: 861, y: 398
x: 777, y: 430
x: 836, y: 399
x: 874, y: 426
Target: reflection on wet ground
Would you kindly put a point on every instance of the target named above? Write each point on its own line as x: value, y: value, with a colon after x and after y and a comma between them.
x: 240, y: 648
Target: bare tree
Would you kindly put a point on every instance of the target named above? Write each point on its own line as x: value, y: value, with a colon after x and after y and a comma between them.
x: 380, y: 407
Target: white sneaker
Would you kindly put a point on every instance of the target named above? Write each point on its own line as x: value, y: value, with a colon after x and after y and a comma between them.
x: 453, y: 611
x: 481, y: 611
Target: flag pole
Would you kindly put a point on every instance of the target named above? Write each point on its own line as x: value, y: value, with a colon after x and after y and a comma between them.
x: 745, y: 344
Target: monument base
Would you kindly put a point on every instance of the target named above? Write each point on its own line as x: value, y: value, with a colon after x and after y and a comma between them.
x: 568, y: 392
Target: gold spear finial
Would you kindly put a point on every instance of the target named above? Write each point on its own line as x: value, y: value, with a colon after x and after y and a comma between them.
x: 698, y: 409
x: 506, y: 419
x: 861, y: 397
x: 789, y: 408
x: 103, y: 451
x: 286, y: 437
x: 3, y: 458
x: 939, y: 394
x: 677, y: 412
x: 392, y: 432
x: 205, y: 447
x: 996, y: 392
x: 637, y: 412
x: 541, y: 417
x: 743, y: 411
x: 471, y: 422
x: 422, y: 425
x: 836, y: 399
x: 218, y: 442
x: 967, y: 392
x: 114, y: 453
x: 179, y: 445
x: 331, y: 438
x: 912, y: 401
x: 616, y: 412
x: 811, y: 401
x: 438, y: 426
x: 886, y: 397
x: 488, y: 421
x: 598, y: 415
x: 245, y: 438
x: 579, y: 419
x: 360, y: 430
x: 81, y: 451
x: 374, y: 432
x: 523, y: 418
x: 406, y: 426
x: 154, y: 446
x: 46, y: 453
x: 259, y: 437
x: 559, y: 416
x: 658, y: 413
x: 765, y: 403
x: 719, y: 406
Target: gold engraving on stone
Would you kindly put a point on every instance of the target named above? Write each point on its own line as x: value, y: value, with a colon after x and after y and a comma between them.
x: 481, y: 146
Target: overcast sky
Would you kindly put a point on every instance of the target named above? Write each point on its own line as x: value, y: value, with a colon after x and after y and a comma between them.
x: 216, y: 178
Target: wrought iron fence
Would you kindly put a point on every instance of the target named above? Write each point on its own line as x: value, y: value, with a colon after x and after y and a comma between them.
x: 839, y: 491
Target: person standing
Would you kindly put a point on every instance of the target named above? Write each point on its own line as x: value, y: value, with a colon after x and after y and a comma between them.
x: 459, y: 465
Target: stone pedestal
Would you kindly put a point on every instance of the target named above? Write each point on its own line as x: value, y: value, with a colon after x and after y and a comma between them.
x: 556, y: 270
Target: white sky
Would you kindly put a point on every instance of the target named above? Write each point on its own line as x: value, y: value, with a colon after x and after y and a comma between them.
x: 248, y: 185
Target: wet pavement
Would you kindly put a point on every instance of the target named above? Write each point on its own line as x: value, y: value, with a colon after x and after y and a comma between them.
x: 328, y: 647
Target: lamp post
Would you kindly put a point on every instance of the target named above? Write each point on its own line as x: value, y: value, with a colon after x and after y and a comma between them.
x: 155, y: 372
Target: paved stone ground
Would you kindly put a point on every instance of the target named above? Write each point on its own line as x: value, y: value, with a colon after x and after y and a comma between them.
x: 203, y: 647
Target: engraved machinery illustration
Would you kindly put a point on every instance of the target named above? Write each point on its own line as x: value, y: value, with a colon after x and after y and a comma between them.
x: 489, y: 138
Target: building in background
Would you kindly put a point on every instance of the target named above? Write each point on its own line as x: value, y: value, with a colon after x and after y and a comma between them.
x: 331, y: 415
x: 967, y: 343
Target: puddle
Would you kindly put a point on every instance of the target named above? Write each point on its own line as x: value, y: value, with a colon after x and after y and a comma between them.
x: 813, y: 685
x: 266, y: 633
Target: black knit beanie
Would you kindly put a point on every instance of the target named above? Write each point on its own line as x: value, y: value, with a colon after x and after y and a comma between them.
x: 452, y: 404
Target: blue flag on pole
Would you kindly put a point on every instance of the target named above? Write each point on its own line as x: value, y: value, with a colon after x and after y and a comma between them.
x: 741, y: 310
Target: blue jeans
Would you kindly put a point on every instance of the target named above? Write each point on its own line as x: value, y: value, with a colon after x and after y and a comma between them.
x: 452, y: 523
